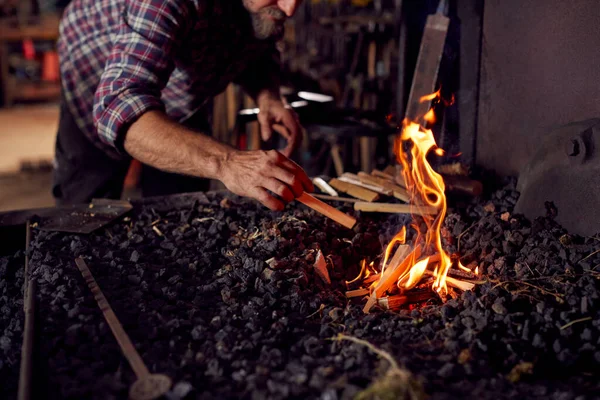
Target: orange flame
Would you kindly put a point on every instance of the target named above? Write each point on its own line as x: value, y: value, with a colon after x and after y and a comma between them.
x: 463, y: 267
x: 415, y: 274
x: 426, y: 187
x: 430, y: 116
x: 399, y: 238
x: 363, y: 268
x: 432, y: 96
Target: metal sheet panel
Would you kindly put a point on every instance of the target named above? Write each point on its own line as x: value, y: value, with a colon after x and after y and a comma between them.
x: 539, y: 71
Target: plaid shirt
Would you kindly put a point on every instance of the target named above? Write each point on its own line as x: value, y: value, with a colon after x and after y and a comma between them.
x: 121, y: 58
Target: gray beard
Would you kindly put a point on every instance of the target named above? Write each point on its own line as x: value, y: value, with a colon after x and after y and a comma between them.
x: 265, y: 28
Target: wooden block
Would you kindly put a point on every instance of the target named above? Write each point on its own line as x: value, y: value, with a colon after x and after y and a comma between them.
x: 456, y: 283
x: 321, y: 268
x: 392, y: 302
x: 390, y: 170
x: 353, y: 179
x: 354, y: 191
x: 397, y: 191
x: 393, y: 171
x: 382, y: 174
x: 357, y: 293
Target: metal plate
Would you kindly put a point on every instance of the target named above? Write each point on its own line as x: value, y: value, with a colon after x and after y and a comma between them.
x: 563, y: 179
x: 79, y: 218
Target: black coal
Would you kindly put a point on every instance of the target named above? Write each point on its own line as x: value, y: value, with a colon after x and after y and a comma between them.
x: 191, y: 285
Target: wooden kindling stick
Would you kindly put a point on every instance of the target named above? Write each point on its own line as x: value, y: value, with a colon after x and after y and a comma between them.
x: 147, y: 385
x: 353, y: 179
x: 357, y: 292
x: 455, y: 283
x: 324, y: 186
x: 320, y: 266
x: 395, y: 208
x: 392, y: 302
x: 335, y: 198
x: 396, y: 173
x: 392, y: 273
x: 397, y: 191
x: 327, y: 210
x: 396, y: 267
x: 353, y: 190
x: 382, y: 174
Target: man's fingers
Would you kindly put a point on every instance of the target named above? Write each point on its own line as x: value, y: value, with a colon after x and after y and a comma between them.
x: 265, y: 132
x: 282, y: 130
x: 299, y: 173
x: 265, y: 127
x: 279, y: 188
x: 290, y: 121
x: 293, y: 183
x: 287, y: 150
x: 292, y: 141
x: 267, y: 200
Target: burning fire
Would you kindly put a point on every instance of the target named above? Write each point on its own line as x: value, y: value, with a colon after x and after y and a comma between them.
x: 426, y: 187
x: 403, y: 267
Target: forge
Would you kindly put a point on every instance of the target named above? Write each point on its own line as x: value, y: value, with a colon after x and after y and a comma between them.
x: 460, y: 258
x: 225, y: 298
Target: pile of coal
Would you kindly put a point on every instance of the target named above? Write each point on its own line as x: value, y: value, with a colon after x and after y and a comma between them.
x: 221, y: 295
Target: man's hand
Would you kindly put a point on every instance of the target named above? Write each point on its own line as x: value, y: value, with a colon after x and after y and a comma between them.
x: 275, y: 116
x: 252, y: 173
x: 156, y: 140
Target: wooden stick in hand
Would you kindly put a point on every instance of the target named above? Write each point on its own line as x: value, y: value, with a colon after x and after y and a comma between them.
x: 327, y: 210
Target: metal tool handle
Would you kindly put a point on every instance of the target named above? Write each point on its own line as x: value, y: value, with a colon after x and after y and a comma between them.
x: 27, y: 348
x: 28, y: 330
x: 133, y: 357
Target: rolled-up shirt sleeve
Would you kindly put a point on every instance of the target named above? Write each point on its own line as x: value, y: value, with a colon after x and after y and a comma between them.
x: 139, y: 65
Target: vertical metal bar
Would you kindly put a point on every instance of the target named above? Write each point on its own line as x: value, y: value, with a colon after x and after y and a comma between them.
x: 470, y: 13
x: 24, y: 392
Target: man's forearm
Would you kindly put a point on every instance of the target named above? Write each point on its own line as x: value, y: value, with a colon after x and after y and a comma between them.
x: 156, y: 140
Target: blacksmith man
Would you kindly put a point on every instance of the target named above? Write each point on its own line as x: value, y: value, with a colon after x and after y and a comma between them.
x: 136, y: 75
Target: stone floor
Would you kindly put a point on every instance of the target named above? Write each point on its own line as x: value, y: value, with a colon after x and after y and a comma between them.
x: 27, y: 135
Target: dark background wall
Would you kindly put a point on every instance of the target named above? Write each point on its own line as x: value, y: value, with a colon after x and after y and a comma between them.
x: 540, y: 68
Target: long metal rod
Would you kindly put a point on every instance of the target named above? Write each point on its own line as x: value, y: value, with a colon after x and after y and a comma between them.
x: 27, y: 241
x: 136, y: 362
x: 28, y: 330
